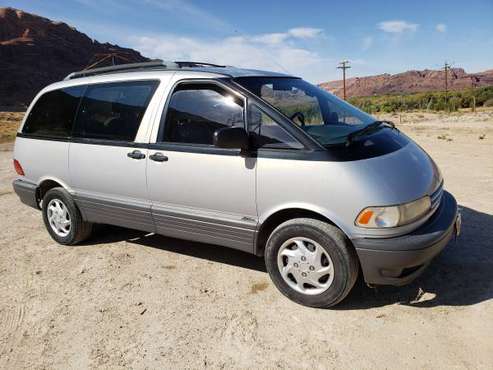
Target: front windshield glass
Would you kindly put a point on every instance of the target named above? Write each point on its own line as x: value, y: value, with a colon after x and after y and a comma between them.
x: 325, y: 117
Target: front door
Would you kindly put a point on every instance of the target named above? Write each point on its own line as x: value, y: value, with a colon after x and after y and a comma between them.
x: 107, y: 167
x: 200, y: 192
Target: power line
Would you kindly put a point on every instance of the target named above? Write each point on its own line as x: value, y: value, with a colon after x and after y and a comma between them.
x: 344, y: 65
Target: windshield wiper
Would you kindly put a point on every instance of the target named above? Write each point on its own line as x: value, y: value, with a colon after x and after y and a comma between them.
x: 369, y: 129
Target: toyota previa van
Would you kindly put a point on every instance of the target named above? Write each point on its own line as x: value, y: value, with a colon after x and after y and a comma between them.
x: 257, y: 161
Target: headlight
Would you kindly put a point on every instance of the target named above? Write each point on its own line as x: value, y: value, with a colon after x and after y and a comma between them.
x: 380, y: 217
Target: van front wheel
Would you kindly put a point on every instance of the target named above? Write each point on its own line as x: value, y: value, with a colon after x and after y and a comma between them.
x: 311, y: 262
x: 62, y: 218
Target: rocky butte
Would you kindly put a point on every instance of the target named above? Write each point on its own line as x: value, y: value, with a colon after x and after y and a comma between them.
x: 35, y: 51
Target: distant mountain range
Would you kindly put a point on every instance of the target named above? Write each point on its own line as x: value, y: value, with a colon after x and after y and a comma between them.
x: 410, y: 82
x: 35, y: 51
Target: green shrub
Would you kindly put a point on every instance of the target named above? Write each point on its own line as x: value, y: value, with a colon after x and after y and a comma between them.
x: 436, y: 101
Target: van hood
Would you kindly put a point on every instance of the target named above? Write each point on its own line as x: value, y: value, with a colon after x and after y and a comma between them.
x: 400, y: 176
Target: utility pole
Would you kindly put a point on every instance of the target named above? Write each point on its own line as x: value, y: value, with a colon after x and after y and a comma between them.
x: 344, y: 65
x: 446, y: 68
x: 474, y: 80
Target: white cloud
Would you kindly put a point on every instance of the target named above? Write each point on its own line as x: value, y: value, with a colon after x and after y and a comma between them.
x: 278, y: 51
x: 273, y: 51
x: 305, y: 32
x: 397, y: 26
x: 270, y: 38
x: 441, y: 27
x: 367, y: 42
x: 293, y: 33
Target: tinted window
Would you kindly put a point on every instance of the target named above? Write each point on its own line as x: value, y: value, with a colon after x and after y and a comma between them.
x: 196, y: 111
x: 114, y: 111
x: 54, y: 112
x: 267, y: 133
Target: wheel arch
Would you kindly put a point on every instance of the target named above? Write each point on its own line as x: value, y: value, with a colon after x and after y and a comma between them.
x: 269, y: 222
x: 47, y: 183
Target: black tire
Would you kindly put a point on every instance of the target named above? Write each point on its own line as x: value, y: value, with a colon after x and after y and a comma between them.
x: 333, y: 241
x: 80, y: 230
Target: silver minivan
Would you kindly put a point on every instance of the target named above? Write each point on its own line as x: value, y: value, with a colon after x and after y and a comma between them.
x: 257, y: 161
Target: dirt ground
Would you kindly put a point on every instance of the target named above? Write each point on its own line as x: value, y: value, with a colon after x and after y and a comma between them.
x: 9, y: 121
x: 130, y: 300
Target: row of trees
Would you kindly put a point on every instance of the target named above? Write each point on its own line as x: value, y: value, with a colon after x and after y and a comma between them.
x: 437, y: 101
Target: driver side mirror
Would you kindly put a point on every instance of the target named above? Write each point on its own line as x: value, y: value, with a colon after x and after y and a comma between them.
x: 231, y: 138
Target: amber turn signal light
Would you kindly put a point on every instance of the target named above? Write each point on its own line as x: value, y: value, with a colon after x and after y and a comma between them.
x: 365, y: 217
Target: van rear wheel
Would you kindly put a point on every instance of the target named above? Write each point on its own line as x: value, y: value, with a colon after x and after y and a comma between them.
x: 311, y: 262
x: 63, y: 219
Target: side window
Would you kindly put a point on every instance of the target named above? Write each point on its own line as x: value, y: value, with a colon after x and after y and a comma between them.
x: 113, y: 111
x: 267, y: 133
x: 196, y: 111
x: 54, y: 112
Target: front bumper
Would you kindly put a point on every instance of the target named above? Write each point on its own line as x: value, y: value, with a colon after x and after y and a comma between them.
x: 398, y: 261
x: 26, y: 192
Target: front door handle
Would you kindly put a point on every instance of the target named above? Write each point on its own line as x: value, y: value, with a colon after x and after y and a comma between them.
x: 158, y: 157
x: 136, y: 154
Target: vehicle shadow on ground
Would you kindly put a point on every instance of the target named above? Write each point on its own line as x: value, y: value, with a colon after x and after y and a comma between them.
x: 461, y: 275
x: 215, y: 253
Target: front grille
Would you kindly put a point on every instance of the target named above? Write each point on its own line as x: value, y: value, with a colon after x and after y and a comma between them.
x: 436, y: 197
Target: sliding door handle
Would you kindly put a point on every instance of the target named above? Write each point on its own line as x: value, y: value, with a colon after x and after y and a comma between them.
x: 158, y: 157
x: 136, y: 154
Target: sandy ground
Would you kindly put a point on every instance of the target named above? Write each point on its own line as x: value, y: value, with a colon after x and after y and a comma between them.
x: 9, y: 121
x: 130, y: 300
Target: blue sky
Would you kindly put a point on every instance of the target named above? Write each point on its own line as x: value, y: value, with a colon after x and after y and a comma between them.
x: 306, y: 38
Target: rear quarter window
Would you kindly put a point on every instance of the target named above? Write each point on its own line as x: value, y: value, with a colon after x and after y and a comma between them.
x: 53, y: 113
x: 113, y: 111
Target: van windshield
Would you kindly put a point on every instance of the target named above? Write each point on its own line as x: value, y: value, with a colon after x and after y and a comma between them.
x: 325, y: 117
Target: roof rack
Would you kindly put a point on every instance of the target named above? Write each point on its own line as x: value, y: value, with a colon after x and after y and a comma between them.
x: 119, y: 68
x: 157, y: 63
x: 187, y: 64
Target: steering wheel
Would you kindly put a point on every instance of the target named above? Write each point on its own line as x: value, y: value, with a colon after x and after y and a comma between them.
x: 300, y: 116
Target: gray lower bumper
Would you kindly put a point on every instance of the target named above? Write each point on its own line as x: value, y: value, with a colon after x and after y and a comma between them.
x: 26, y: 192
x: 398, y: 261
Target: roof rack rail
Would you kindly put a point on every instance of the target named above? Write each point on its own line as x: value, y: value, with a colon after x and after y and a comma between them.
x: 121, y: 68
x: 188, y: 64
x: 138, y: 66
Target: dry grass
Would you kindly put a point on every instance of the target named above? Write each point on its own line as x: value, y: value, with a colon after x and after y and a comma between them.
x: 9, y: 122
x: 463, y: 119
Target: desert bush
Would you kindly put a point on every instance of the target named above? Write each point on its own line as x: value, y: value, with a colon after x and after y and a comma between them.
x: 435, y: 101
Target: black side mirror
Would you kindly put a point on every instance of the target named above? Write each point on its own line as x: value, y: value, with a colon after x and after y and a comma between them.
x: 231, y: 138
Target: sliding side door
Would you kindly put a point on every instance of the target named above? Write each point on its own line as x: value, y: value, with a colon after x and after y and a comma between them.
x: 107, y: 166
